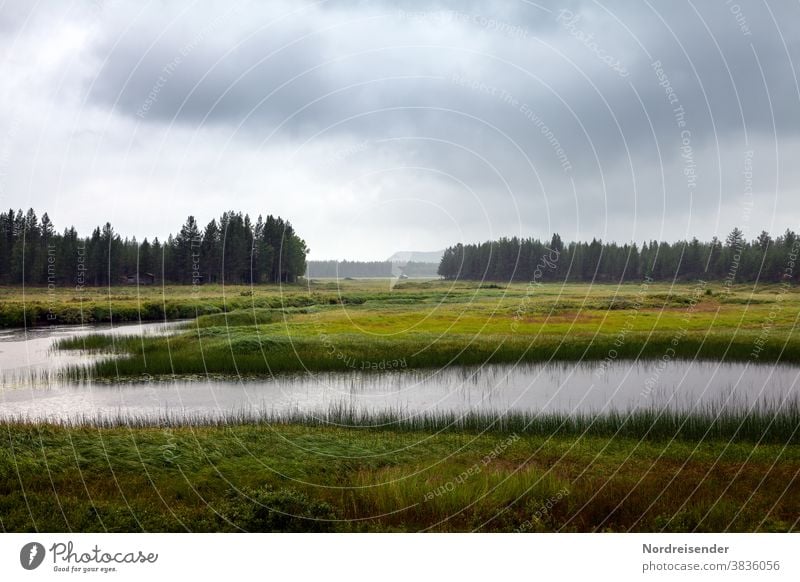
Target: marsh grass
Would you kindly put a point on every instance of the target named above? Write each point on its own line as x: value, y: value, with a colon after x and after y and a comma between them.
x: 777, y: 423
x: 711, y: 469
x: 254, y: 351
x: 94, y: 342
x: 131, y: 304
x: 430, y: 324
x: 300, y: 477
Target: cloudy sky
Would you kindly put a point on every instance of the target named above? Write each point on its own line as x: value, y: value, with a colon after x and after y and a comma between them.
x: 382, y: 126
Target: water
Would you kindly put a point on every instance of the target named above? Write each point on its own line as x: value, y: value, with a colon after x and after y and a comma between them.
x: 28, y: 352
x: 564, y: 387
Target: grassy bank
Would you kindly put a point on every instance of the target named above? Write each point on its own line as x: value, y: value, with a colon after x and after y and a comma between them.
x: 366, y: 325
x: 761, y: 422
x: 296, y: 477
x: 40, y: 306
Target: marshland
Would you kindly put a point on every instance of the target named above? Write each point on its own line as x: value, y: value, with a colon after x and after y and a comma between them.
x: 386, y: 405
x: 399, y: 267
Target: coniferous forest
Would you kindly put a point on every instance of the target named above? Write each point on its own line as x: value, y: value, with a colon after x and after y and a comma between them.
x: 233, y: 249
x: 735, y: 259
x: 236, y: 249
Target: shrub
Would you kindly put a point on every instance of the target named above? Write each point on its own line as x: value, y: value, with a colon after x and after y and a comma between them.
x: 283, y: 510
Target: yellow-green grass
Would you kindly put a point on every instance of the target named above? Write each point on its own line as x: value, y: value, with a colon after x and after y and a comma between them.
x: 294, y: 475
x: 298, y: 478
x: 66, y: 306
x: 330, y: 326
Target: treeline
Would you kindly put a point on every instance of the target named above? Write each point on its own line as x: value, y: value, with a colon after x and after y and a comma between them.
x: 733, y: 260
x: 233, y: 249
x: 342, y: 269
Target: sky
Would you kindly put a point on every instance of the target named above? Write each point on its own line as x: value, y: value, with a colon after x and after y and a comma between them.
x: 377, y: 127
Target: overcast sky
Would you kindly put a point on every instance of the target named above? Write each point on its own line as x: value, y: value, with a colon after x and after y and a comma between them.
x: 378, y: 126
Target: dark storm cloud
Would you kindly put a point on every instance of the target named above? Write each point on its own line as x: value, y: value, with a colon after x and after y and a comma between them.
x: 225, y: 65
x: 594, y: 118
x: 268, y: 73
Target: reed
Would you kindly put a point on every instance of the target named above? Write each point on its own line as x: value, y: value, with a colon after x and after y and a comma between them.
x: 766, y: 422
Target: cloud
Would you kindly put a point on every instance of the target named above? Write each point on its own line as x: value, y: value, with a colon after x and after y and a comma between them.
x: 415, y: 125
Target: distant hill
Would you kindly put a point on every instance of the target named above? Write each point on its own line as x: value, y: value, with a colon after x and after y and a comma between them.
x: 416, y: 257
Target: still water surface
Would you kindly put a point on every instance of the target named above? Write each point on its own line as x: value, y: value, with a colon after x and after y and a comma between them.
x: 566, y: 387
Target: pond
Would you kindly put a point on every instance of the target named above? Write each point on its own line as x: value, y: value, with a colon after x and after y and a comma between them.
x: 554, y: 386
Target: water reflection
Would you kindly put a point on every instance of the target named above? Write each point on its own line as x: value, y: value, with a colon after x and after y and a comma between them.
x: 562, y: 386
x: 27, y: 354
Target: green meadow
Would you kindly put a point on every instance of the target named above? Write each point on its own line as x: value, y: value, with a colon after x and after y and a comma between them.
x: 368, y: 325
x: 704, y: 470
x: 290, y: 477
